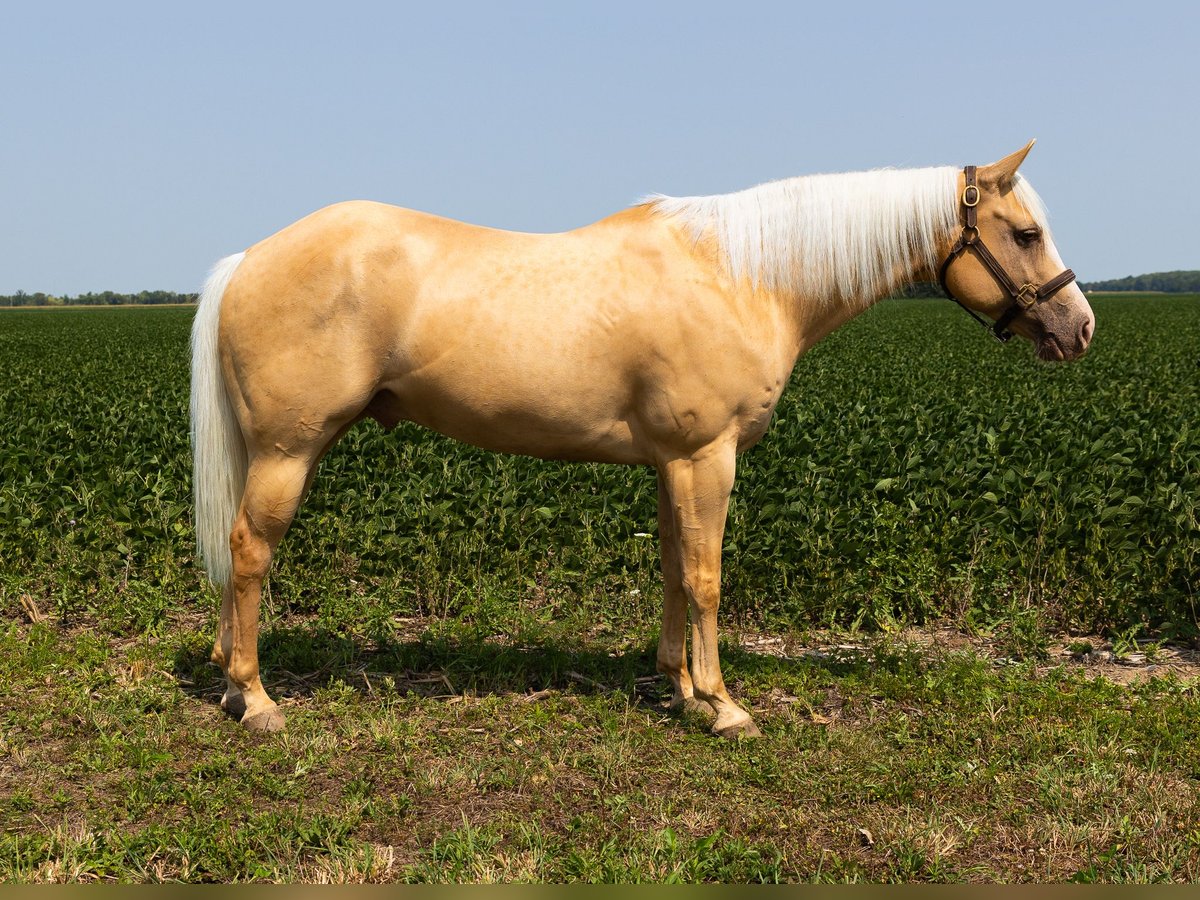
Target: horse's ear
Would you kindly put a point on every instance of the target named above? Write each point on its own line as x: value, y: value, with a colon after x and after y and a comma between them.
x: 999, y: 174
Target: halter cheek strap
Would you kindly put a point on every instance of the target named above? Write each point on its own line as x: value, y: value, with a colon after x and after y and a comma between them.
x: 1023, y: 297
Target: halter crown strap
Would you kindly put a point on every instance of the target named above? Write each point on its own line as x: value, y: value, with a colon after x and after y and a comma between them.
x: 1023, y: 297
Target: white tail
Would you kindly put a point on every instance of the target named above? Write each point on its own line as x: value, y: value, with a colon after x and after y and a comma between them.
x: 218, y: 450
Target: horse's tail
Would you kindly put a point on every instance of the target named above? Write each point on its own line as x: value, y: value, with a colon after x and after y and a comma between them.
x: 218, y: 449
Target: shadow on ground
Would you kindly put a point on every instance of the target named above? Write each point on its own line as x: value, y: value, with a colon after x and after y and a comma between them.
x: 299, y: 660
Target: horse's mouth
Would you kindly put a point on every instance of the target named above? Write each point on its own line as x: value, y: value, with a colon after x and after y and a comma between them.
x: 1049, y: 350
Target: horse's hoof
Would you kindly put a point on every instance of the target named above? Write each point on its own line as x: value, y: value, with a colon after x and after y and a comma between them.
x: 270, y: 719
x: 234, y: 705
x: 746, y: 729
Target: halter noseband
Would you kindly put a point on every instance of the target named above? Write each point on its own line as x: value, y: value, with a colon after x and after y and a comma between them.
x: 1023, y: 297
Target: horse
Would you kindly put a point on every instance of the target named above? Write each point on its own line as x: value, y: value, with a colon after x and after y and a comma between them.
x: 662, y: 335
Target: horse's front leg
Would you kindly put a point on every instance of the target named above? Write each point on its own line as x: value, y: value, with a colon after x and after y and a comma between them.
x: 672, y: 641
x: 699, y: 488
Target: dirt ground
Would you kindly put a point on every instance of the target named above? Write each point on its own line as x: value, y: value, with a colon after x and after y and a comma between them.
x: 1093, y: 655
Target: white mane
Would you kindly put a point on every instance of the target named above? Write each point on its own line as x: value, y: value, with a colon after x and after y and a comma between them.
x: 833, y: 238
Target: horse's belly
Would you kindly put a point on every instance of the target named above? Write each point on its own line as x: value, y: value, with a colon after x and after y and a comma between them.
x: 543, y: 420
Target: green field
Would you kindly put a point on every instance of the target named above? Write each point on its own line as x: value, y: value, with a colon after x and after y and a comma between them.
x: 913, y: 472
x: 917, y: 476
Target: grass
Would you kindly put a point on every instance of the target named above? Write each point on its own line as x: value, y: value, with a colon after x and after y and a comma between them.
x: 467, y: 659
x: 443, y: 754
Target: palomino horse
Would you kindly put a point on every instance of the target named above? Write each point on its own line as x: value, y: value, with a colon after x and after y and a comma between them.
x: 662, y: 335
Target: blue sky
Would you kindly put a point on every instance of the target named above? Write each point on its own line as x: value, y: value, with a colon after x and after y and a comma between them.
x: 140, y: 142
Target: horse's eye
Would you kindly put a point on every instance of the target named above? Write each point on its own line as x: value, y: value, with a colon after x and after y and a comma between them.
x: 1027, y: 237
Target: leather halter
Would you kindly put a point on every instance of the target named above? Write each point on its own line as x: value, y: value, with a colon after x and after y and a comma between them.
x: 1023, y: 297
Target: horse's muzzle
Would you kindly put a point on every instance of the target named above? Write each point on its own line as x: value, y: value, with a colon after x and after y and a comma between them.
x: 1052, y: 347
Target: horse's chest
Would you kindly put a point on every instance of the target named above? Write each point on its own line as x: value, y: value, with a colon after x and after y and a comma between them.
x: 755, y: 416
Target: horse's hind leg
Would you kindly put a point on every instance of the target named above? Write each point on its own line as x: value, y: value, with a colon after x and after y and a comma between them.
x: 275, y: 485
x: 222, y: 649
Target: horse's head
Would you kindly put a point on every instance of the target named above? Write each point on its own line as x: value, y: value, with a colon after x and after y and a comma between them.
x: 1005, y: 266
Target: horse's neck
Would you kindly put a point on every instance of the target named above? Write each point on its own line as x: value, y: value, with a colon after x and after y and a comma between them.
x: 815, y: 318
x: 812, y: 247
x: 856, y: 239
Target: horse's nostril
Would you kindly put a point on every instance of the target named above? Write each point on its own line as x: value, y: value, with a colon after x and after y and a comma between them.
x: 1086, y: 331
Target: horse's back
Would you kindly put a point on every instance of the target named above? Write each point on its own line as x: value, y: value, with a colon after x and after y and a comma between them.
x: 550, y: 344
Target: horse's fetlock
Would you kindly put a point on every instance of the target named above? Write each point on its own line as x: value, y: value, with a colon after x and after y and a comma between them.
x: 665, y: 666
x: 242, y: 673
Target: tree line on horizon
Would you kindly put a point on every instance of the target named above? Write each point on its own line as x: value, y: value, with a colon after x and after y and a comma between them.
x: 1178, y: 282
x: 1184, y: 281
x: 96, y: 298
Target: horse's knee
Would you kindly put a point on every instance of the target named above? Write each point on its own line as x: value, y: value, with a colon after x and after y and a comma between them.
x: 703, y: 589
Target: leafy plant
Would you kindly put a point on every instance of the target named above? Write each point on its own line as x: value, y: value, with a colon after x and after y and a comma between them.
x: 913, y: 472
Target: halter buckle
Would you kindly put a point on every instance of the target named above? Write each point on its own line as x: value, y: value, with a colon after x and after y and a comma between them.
x: 970, y: 196
x: 1027, y: 296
